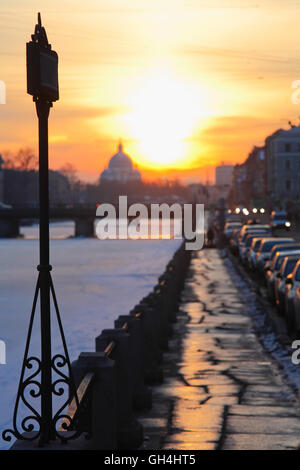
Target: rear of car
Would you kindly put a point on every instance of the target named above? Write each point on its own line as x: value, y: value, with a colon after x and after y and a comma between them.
x: 279, y: 248
x: 296, y: 297
x: 247, y: 241
x: 233, y: 243
x: 287, y: 267
x: 265, y: 249
x: 251, y: 229
x: 256, y: 242
x: 292, y: 285
x: 279, y: 219
x: 273, y: 270
x: 230, y: 227
x: 230, y: 217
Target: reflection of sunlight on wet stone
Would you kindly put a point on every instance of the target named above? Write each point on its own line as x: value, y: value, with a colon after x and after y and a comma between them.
x: 227, y: 393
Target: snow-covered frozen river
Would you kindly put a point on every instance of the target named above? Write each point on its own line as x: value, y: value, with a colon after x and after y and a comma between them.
x: 95, y: 281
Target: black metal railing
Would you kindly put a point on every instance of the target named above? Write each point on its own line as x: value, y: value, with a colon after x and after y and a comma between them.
x: 79, y: 410
x: 113, y: 382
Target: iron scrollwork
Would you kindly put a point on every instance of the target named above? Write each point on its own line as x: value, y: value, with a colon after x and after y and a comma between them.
x: 48, y: 376
x: 29, y: 428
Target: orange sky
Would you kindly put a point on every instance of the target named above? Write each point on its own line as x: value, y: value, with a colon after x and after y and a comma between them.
x: 185, y: 84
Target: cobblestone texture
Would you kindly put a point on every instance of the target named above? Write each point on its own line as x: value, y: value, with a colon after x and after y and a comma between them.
x: 222, y: 390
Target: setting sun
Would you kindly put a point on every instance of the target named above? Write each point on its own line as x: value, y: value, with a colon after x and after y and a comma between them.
x: 165, y: 113
x: 181, y: 83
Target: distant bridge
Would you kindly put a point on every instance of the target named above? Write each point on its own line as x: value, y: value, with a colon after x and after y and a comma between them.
x: 83, y: 217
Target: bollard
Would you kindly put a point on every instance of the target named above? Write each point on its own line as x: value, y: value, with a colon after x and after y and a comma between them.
x: 158, y: 303
x: 130, y: 431
x: 166, y: 305
x: 170, y: 297
x: 119, y: 382
x: 162, y: 288
x: 154, y: 300
x: 151, y: 315
x: 104, y: 398
x: 142, y: 395
x: 152, y: 356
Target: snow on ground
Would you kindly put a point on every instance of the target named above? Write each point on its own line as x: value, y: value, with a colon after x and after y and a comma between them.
x: 95, y: 282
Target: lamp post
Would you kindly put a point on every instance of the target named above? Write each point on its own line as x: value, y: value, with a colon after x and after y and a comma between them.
x: 42, y: 84
x: 37, y: 373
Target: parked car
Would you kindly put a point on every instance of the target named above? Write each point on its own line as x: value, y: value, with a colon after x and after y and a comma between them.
x: 252, y: 227
x: 247, y: 229
x: 296, y: 298
x: 264, y: 251
x: 233, y: 218
x: 246, y: 243
x: 273, y: 270
x: 287, y: 267
x: 280, y: 247
x: 251, y: 254
x: 253, y: 221
x: 229, y: 227
x: 292, y: 283
x: 234, y: 241
x: 279, y: 219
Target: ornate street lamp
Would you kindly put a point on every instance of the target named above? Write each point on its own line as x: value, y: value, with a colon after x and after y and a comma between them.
x: 37, y: 375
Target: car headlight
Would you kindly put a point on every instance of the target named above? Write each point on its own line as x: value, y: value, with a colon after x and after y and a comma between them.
x: 287, y: 224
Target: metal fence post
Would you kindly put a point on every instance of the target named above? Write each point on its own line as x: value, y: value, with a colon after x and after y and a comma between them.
x: 141, y: 394
x: 104, y: 398
x: 130, y: 431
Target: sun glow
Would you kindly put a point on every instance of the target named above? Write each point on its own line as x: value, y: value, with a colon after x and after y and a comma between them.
x: 165, y: 114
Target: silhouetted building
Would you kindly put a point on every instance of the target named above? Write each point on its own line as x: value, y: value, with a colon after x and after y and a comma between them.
x: 120, y: 169
x: 255, y: 176
x: 270, y: 173
x: 283, y: 164
x: 237, y: 192
x: 224, y: 175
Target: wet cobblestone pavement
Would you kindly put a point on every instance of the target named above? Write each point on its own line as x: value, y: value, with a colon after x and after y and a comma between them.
x: 223, y: 390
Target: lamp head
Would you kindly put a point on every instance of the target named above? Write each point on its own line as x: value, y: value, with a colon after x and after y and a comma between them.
x: 42, y: 66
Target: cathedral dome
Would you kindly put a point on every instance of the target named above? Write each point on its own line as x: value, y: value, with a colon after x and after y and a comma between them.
x: 120, y: 169
x: 120, y: 160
